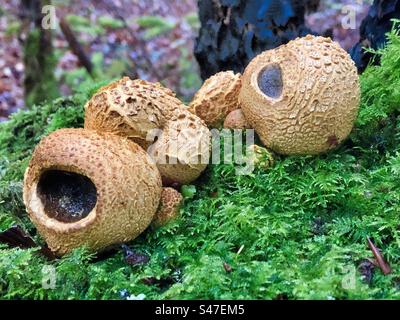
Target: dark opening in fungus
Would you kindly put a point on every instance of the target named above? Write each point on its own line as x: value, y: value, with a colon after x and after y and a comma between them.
x: 66, y: 196
x: 270, y: 81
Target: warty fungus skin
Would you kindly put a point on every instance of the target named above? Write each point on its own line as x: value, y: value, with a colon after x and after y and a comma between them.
x: 217, y: 97
x: 150, y: 115
x: 301, y: 98
x: 171, y: 201
x: 88, y: 188
x: 236, y: 120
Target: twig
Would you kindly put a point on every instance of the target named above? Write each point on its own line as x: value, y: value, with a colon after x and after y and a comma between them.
x: 145, y: 53
x: 75, y: 46
x: 379, y: 259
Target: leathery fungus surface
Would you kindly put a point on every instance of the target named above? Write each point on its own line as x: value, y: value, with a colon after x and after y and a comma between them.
x: 171, y: 201
x: 150, y: 115
x: 88, y: 188
x: 236, y: 120
x: 217, y: 97
x: 303, y: 97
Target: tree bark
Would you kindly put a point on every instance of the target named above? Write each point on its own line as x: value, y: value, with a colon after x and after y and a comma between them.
x: 234, y: 31
x: 39, y: 60
x: 373, y: 31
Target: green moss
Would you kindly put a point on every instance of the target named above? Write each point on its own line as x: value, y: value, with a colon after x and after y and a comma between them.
x: 377, y: 123
x: 296, y: 230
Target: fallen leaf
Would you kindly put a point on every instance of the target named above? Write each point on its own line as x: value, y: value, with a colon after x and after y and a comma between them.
x: 134, y: 258
x: 379, y: 259
x: 17, y: 237
x: 366, y: 269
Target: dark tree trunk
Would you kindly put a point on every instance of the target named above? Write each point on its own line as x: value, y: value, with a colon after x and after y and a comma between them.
x: 39, y: 60
x: 373, y: 30
x: 234, y: 31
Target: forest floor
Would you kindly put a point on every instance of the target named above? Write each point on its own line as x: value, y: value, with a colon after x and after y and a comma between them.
x: 297, y: 229
x: 167, y: 44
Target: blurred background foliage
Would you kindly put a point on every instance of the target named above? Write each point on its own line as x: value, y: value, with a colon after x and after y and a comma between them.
x: 152, y: 40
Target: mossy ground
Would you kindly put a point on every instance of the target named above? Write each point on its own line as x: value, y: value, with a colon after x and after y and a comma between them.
x: 297, y: 230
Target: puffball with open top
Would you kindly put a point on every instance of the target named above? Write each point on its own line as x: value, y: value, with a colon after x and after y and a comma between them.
x: 303, y: 97
x: 88, y: 188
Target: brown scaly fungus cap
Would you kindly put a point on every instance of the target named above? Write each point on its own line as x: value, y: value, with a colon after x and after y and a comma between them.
x: 170, y: 204
x: 236, y: 120
x: 303, y: 97
x: 87, y: 188
x: 217, y: 98
x: 133, y: 108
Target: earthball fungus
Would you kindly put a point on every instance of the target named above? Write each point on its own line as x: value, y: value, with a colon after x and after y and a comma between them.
x: 217, y: 97
x: 303, y: 97
x: 150, y: 115
x: 170, y: 204
x: 88, y: 188
x: 236, y: 120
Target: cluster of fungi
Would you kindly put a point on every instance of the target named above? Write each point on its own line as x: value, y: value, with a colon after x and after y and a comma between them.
x: 105, y: 184
x: 301, y: 98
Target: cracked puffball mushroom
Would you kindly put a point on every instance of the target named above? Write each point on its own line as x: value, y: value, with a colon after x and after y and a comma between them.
x: 170, y: 204
x: 150, y: 115
x: 88, y: 188
x: 301, y: 98
x: 217, y: 97
x: 236, y: 120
